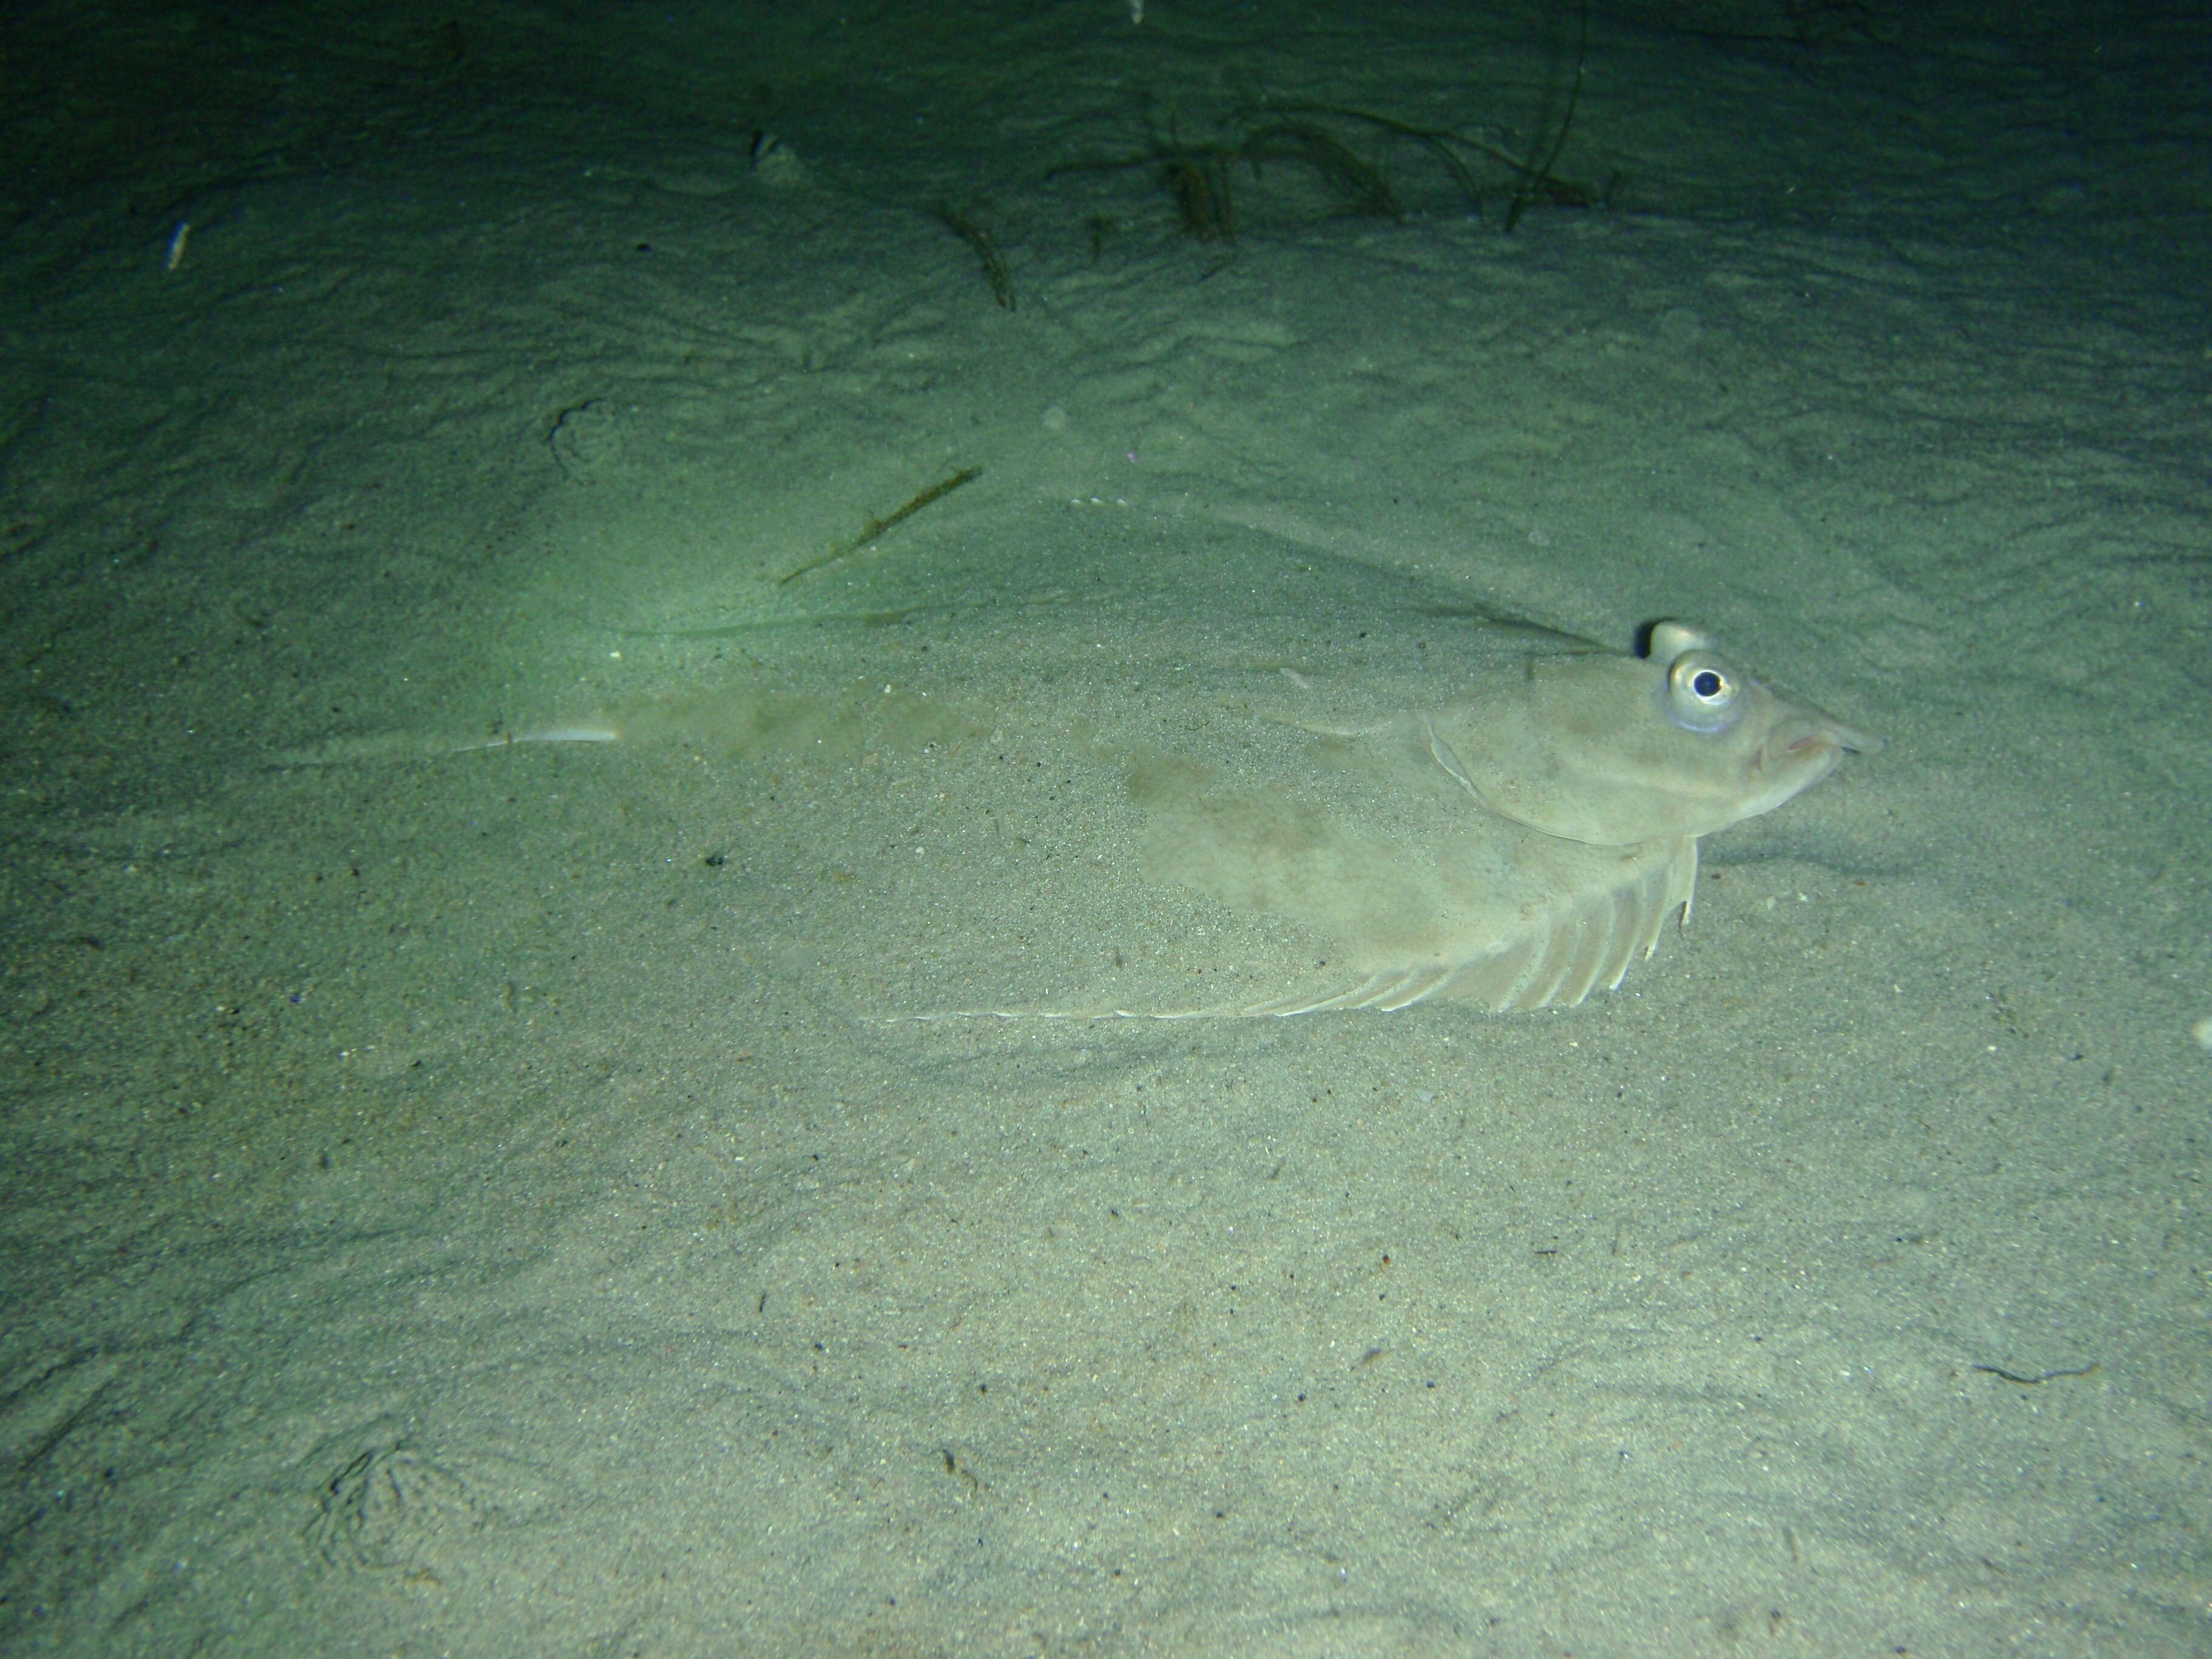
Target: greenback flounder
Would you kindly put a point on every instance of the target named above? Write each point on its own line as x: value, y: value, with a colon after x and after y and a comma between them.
x: 1158, y: 768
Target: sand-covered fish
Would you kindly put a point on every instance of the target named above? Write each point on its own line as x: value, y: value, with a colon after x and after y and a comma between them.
x: 1191, y: 772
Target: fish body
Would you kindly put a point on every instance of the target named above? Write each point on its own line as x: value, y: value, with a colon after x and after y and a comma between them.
x: 1177, y: 772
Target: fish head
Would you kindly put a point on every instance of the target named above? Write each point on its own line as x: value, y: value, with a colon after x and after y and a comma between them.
x: 1613, y: 750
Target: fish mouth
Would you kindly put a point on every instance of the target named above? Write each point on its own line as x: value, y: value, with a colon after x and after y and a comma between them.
x: 1799, y: 753
x: 1818, y: 731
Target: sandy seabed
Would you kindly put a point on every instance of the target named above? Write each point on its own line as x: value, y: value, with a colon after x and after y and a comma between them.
x: 464, y: 1198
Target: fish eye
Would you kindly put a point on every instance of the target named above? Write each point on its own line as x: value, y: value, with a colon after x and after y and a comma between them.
x: 1701, y: 693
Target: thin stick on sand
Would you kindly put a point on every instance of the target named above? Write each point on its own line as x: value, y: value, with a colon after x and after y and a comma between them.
x: 875, y: 528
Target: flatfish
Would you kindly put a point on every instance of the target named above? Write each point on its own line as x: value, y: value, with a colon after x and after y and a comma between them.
x: 1144, y: 768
